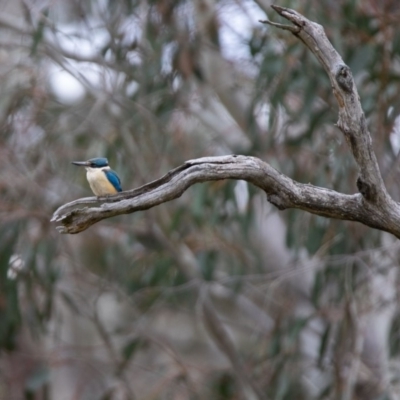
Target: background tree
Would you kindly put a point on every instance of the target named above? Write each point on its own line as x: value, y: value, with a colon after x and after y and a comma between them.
x: 217, y: 294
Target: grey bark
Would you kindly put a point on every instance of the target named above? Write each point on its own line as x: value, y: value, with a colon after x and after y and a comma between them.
x: 372, y: 206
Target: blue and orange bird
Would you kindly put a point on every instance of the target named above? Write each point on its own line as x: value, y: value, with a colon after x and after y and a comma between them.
x: 102, y: 179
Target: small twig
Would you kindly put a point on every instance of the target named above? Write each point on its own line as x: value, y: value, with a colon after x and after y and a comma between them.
x: 224, y: 342
x: 112, y: 352
x: 188, y: 265
x: 281, y: 26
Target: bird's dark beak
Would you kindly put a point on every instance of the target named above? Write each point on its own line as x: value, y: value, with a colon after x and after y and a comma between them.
x: 84, y: 163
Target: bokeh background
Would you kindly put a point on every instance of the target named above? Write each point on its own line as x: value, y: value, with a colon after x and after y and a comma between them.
x: 216, y: 295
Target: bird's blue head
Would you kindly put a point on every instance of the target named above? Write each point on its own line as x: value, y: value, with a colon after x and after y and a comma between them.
x: 99, y: 162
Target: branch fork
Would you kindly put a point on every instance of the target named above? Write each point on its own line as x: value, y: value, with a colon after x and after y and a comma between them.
x: 372, y: 206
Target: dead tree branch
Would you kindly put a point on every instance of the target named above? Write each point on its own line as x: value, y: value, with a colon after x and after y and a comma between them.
x: 372, y: 206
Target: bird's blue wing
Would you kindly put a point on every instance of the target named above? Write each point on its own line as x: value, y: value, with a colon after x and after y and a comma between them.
x: 114, y: 179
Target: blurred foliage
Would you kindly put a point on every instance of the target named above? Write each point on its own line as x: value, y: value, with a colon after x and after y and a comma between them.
x: 116, y: 312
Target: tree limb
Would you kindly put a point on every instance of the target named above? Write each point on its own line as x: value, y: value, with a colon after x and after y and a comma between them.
x: 351, y: 116
x: 372, y: 206
x: 281, y: 191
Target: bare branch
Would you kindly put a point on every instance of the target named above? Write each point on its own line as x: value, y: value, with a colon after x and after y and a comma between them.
x: 281, y: 191
x: 188, y: 265
x: 226, y: 345
x: 351, y: 116
x: 373, y: 206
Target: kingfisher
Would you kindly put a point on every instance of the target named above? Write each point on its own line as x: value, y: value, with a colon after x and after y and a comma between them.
x: 102, y: 179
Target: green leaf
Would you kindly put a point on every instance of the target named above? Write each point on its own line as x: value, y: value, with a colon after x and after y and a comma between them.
x: 37, y: 379
x: 37, y: 36
x: 9, y: 303
x: 324, y: 345
x: 131, y: 347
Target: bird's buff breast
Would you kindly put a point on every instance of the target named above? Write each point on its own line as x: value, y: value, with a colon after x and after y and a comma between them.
x: 99, y: 183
